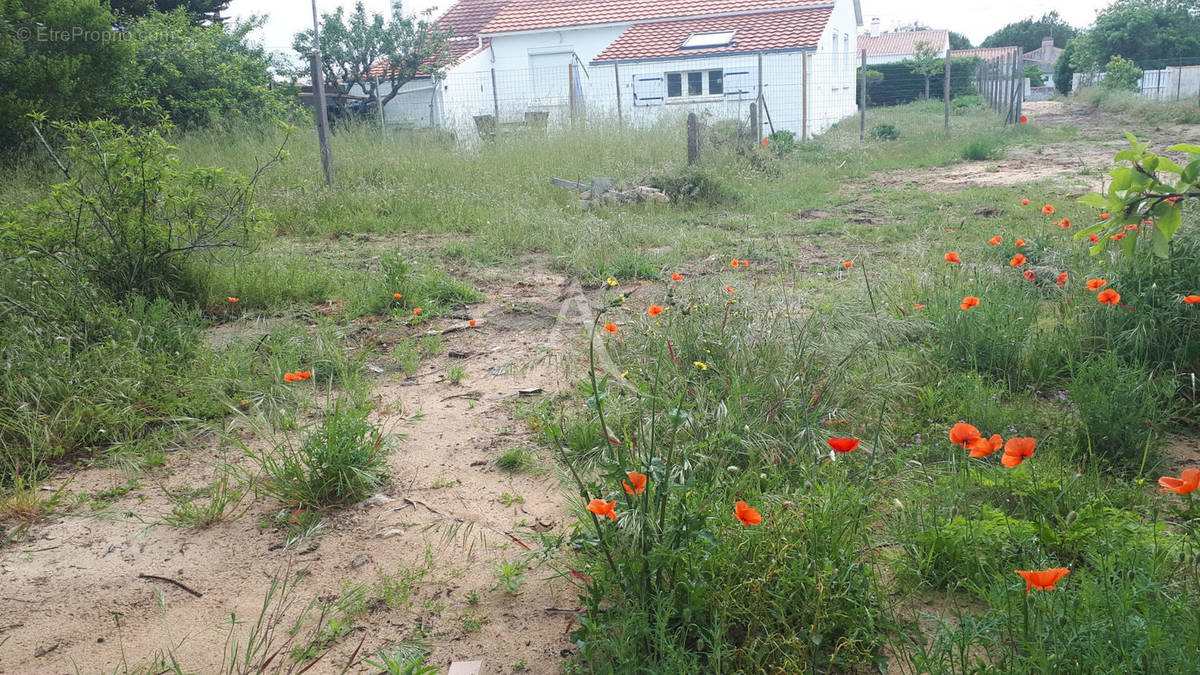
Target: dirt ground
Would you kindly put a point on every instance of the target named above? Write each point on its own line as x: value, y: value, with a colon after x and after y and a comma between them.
x: 445, y: 518
x: 62, y: 589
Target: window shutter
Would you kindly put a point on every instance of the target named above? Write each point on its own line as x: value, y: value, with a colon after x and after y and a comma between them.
x: 649, y: 90
x: 739, y: 85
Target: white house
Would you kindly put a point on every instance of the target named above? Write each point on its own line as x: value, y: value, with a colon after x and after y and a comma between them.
x: 900, y: 46
x: 532, y: 62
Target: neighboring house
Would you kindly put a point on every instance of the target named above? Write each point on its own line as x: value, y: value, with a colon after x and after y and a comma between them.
x: 901, y: 46
x: 1045, y: 58
x: 549, y: 61
x: 987, y: 53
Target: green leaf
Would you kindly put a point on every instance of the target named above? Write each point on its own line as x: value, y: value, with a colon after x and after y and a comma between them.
x: 1121, y: 180
x: 1133, y: 142
x: 1129, y: 243
x: 1162, y: 246
x: 1094, y: 200
x: 1099, y: 247
x: 1185, y: 147
x: 1165, y: 164
x: 1170, y: 222
x: 1094, y: 229
x: 1127, y: 156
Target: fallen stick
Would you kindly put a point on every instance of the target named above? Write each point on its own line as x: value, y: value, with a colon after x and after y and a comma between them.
x: 170, y: 581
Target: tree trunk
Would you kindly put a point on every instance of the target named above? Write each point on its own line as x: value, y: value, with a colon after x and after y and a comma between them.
x: 926, y: 87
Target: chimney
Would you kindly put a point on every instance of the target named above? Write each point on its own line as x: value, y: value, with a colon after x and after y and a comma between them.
x: 1047, y: 42
x: 875, y: 27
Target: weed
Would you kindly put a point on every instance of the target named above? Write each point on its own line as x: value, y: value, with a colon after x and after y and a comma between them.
x: 509, y: 575
x: 510, y: 499
x: 517, y: 460
x: 201, y: 508
x: 455, y: 374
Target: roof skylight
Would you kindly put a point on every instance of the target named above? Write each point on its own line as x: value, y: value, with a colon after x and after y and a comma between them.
x: 707, y: 40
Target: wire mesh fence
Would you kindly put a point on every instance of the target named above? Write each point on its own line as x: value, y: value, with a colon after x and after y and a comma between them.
x: 799, y: 93
x: 1160, y: 80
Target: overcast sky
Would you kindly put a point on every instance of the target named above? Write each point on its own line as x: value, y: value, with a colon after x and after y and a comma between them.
x: 973, y: 18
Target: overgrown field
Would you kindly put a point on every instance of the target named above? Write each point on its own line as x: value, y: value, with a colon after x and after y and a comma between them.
x: 845, y: 406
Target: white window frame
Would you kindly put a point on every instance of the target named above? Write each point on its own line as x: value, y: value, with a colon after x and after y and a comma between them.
x: 701, y: 44
x: 705, y: 84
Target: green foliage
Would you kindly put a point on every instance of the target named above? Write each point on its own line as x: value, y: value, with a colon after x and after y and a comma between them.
x: 1121, y: 74
x: 1034, y: 74
x: 204, y: 75
x: 1028, y: 33
x: 61, y: 58
x: 959, y: 41
x: 1141, y: 30
x: 926, y: 62
x: 128, y: 217
x: 1064, y: 71
x: 337, y: 463
x: 982, y: 147
x: 1122, y: 409
x: 199, y: 11
x: 1151, y: 189
x: 884, y: 132
x: 692, y: 185
x: 406, y: 46
x: 431, y: 289
x: 782, y: 142
x: 517, y: 460
x: 901, y: 85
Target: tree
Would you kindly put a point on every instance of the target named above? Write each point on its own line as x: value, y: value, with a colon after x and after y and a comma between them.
x: 201, y: 11
x: 1064, y: 74
x: 1144, y: 30
x: 62, y: 58
x: 403, y: 46
x: 927, y: 63
x: 1036, y: 79
x: 201, y: 75
x: 1028, y: 34
x: 959, y: 41
x: 1121, y: 74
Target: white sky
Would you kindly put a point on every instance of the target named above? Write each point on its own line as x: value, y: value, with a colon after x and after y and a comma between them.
x: 974, y: 18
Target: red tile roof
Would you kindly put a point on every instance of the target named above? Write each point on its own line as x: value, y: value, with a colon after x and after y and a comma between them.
x: 524, y: 15
x: 795, y: 29
x: 985, y: 53
x: 904, y: 42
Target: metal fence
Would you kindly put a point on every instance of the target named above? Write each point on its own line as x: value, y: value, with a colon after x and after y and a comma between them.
x: 1161, y: 80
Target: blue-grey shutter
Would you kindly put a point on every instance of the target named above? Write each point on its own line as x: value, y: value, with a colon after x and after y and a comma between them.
x: 740, y: 85
x: 649, y: 90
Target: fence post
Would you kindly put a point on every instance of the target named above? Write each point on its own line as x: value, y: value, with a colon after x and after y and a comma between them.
x: 379, y: 105
x: 755, y: 123
x: 862, y: 100
x: 804, y: 96
x: 318, y: 80
x: 946, y: 92
x: 617, y: 80
x: 571, y: 88
x: 495, y: 97
x: 693, y: 139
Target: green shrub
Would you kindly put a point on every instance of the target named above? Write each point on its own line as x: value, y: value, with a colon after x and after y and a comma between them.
x: 982, y: 148
x: 692, y: 185
x: 1121, y: 74
x: 782, y: 142
x: 884, y: 132
x: 339, y: 462
x: 1122, y: 409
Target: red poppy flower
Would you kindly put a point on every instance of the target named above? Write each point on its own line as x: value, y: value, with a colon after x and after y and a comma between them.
x: 1095, y: 284
x: 471, y: 323
x: 290, y: 377
x: 1062, y: 279
x: 304, y: 374
x: 1017, y: 450
x: 1029, y: 276
x: 1118, y: 236
x: 729, y: 289
x: 636, y: 484
x: 1019, y: 242
x: 963, y: 433
x: 1048, y: 210
x: 1094, y: 238
x: 1017, y: 260
x: 1130, y: 228
x: 233, y: 300
x: 734, y: 263
x: 847, y: 264
x: 1024, y: 202
x: 844, y: 444
x: 1109, y: 297
x: 1192, y: 299
x: 1104, y: 216
x: 603, y: 508
x: 745, y: 263
x: 1065, y: 223
x: 610, y: 327
x: 676, y: 276
x: 1172, y: 200
x: 745, y: 514
x: 995, y: 241
x: 969, y: 302
x: 1024, y: 119
x: 416, y: 311
x: 766, y: 141
x: 918, y: 306
x: 397, y: 295
x: 982, y: 447
x: 1187, y: 482
x: 1043, y: 580
x: 654, y: 310
x: 952, y: 257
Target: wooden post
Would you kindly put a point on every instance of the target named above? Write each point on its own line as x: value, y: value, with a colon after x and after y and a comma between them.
x: 804, y: 96
x: 693, y: 139
x: 755, y: 124
x: 617, y: 80
x: 946, y: 92
x: 379, y: 104
x: 571, y: 88
x: 433, y: 105
x: 862, y: 117
x: 318, y: 78
x: 495, y: 97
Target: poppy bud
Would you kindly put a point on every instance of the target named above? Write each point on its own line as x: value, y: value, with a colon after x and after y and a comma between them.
x: 1072, y: 517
